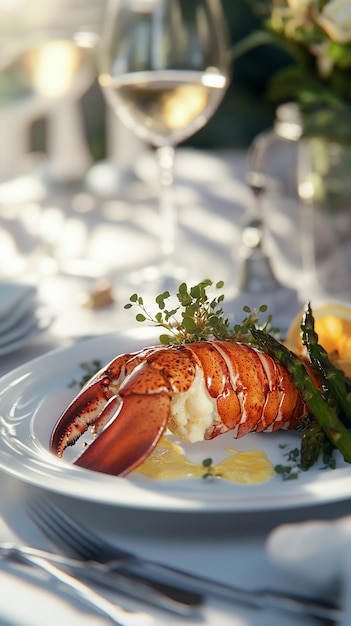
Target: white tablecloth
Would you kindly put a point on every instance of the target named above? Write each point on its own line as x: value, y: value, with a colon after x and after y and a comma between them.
x: 213, y: 202
x: 72, y: 239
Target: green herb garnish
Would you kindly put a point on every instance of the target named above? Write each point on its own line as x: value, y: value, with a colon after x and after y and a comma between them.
x: 90, y: 368
x: 198, y: 317
x: 287, y: 472
x: 209, y: 469
x: 292, y: 469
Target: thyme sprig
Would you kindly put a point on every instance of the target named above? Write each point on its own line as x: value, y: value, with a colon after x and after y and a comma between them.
x: 197, y: 316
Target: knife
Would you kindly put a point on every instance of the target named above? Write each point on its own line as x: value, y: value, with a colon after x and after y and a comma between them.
x: 113, y: 611
x: 169, y: 597
x: 114, y: 576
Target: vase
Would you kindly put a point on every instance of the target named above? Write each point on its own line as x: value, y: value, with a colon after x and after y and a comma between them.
x: 308, y: 158
x: 324, y: 187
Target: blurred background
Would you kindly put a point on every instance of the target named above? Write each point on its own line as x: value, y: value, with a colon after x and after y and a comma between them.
x: 76, y: 187
x: 79, y: 192
x: 244, y: 112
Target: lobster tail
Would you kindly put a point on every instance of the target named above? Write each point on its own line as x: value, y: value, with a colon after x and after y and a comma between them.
x: 197, y: 390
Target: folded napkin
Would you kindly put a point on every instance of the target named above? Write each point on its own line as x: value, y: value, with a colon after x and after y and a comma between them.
x: 15, y: 300
x: 316, y: 555
x: 20, y: 316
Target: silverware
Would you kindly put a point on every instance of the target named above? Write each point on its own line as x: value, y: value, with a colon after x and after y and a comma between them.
x: 68, y: 534
x: 111, y: 610
x: 173, y: 597
x: 100, y: 574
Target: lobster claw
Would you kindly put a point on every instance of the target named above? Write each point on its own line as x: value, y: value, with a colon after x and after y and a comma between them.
x: 127, y: 419
x: 128, y: 440
x: 91, y: 402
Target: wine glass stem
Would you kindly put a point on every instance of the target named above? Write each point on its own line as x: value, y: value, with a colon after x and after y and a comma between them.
x: 168, y: 212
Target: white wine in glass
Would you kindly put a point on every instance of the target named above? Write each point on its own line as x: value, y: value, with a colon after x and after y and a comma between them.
x: 164, y: 71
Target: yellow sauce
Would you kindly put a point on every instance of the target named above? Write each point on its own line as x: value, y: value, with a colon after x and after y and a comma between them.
x: 251, y: 466
x: 168, y: 462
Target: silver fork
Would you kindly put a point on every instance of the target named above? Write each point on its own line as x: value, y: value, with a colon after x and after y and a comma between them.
x: 69, y: 535
x: 64, y: 533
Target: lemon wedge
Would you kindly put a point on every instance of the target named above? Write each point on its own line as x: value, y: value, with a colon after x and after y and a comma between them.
x: 333, y: 326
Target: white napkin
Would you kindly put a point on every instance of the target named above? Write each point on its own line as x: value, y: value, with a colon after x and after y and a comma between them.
x: 316, y: 555
x: 21, y: 317
x: 15, y: 300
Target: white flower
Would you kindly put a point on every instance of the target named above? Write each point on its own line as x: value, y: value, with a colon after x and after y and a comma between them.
x: 300, y: 5
x: 335, y: 19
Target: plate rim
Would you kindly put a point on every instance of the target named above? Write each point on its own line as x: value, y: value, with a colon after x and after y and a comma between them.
x: 78, y: 479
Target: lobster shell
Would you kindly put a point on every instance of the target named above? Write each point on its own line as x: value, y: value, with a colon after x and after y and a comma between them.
x: 133, y: 400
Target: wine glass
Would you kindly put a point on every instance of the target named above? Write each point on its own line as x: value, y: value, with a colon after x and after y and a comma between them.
x: 164, y: 71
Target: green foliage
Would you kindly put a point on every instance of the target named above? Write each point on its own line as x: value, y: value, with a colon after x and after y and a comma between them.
x: 197, y: 316
x: 319, y: 67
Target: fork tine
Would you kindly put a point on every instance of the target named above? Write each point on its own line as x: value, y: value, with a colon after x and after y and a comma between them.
x: 61, y: 528
x: 57, y: 533
x: 65, y: 532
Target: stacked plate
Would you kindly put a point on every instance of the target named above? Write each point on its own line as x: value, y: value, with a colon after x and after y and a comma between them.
x: 20, y: 316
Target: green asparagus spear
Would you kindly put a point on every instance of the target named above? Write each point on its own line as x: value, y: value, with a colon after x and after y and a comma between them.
x: 330, y: 376
x: 325, y: 414
x: 312, y: 444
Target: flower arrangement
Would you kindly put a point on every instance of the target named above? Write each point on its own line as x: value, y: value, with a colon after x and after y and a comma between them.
x: 316, y: 35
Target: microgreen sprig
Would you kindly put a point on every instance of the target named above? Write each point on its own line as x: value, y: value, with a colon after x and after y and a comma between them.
x: 196, y: 316
x: 209, y: 470
x: 90, y: 368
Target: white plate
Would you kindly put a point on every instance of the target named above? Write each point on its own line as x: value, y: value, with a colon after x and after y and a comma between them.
x: 32, y: 397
